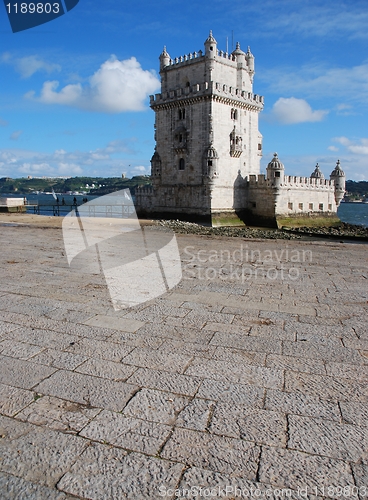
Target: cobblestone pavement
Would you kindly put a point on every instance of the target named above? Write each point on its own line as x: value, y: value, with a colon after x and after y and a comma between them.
x: 249, y: 377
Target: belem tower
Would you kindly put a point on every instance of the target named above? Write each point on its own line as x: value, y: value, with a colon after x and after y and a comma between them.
x: 206, y: 164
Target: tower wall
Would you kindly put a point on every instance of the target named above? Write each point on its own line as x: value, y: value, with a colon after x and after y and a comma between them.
x: 206, y: 101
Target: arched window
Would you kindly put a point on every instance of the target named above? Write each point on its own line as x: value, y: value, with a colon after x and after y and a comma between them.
x: 234, y: 114
x: 181, y: 114
x: 181, y: 164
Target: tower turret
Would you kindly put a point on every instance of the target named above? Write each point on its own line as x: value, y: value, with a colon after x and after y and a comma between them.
x: 275, y: 172
x: 317, y: 174
x: 164, y: 59
x: 210, y: 156
x: 239, y: 54
x: 338, y: 176
x: 155, y: 167
x: 250, y: 59
x: 210, y: 46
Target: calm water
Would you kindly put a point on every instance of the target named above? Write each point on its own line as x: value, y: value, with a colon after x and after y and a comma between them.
x: 46, y: 202
x: 353, y: 213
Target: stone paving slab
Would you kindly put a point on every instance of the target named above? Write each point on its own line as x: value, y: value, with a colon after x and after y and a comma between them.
x: 256, y: 384
x: 155, y: 406
x: 125, y: 325
x: 57, y: 414
x: 12, y: 399
x: 260, y: 426
x: 105, y: 473
x: 217, y: 453
x: 127, y: 432
x: 13, y: 487
x: 165, y: 381
x: 88, y: 390
x: 284, y: 468
x: 37, y: 454
x: 330, y: 439
x: 22, y: 374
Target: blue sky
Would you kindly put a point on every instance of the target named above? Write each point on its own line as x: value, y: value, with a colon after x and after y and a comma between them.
x: 74, y: 92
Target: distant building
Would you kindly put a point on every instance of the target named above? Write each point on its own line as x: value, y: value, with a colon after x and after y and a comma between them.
x: 206, y: 163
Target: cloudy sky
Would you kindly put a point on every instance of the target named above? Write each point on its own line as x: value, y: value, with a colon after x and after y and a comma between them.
x: 74, y: 92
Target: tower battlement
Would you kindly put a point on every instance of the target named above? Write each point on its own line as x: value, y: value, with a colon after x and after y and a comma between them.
x: 195, y: 57
x: 216, y: 90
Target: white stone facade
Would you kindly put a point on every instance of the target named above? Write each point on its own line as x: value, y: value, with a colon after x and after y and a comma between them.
x: 208, y: 146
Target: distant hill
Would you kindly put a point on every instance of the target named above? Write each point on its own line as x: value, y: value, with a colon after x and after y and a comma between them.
x: 356, y: 190
x: 89, y: 185
x: 105, y: 185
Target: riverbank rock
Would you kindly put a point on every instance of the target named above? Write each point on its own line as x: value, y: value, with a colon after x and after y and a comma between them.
x: 344, y: 230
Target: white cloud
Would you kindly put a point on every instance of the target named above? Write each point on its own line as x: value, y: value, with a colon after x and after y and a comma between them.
x: 103, y: 161
x: 69, y: 169
x: 115, y: 87
x: 291, y: 110
x: 28, y: 66
x: 141, y: 170
x: 332, y: 148
x: 69, y: 95
x: 359, y: 147
x: 15, y: 135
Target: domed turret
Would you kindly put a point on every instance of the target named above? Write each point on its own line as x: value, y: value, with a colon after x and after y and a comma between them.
x: 210, y: 46
x: 338, y: 176
x: 238, y: 53
x: 164, y: 59
x: 155, y: 166
x: 250, y: 59
x: 210, y: 163
x: 317, y: 174
x: 275, y: 171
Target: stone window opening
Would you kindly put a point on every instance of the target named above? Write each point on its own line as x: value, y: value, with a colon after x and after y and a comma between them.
x: 236, y: 144
x: 300, y: 206
x: 181, y: 164
x: 330, y: 206
x: 290, y: 206
x: 210, y: 163
x: 321, y: 206
x: 180, y: 137
x: 310, y: 206
x: 234, y: 114
x: 259, y: 147
x: 181, y: 114
x: 277, y: 174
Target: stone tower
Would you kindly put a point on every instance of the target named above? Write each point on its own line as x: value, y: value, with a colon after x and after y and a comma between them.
x: 338, y: 176
x: 206, y: 133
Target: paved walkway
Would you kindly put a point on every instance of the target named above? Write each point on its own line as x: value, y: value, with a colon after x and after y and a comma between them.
x: 250, y: 377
